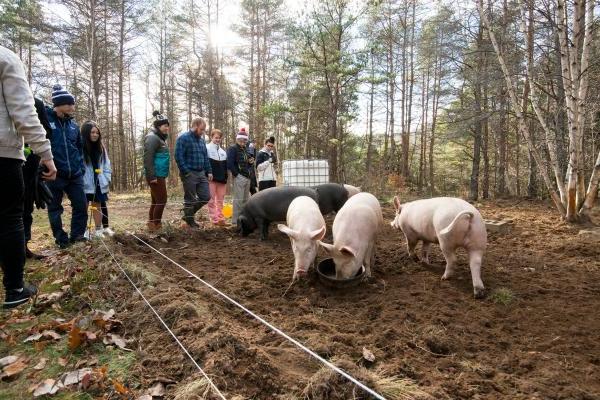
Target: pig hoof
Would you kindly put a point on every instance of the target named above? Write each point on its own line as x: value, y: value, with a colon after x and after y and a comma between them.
x: 414, y: 257
x: 446, y: 276
x: 479, y: 293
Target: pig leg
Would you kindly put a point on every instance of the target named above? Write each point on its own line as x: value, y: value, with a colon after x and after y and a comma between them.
x: 425, y: 252
x: 265, y: 230
x: 369, y: 258
x: 411, y: 243
x: 475, y: 258
x: 450, y: 256
x: 260, y: 225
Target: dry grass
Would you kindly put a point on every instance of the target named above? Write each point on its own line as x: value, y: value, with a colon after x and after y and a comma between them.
x: 196, y: 390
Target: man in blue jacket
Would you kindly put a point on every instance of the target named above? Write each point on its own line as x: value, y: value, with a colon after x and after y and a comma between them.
x: 194, y: 168
x: 67, y: 148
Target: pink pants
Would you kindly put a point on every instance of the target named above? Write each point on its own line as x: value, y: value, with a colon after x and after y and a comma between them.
x: 215, y: 205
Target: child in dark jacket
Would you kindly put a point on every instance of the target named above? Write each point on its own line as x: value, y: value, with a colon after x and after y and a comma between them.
x: 218, y: 186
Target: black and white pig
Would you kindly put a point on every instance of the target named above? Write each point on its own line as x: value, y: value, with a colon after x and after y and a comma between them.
x: 452, y: 223
x: 269, y: 205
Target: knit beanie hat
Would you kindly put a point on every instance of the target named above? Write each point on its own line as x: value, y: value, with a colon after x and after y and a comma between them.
x: 242, y: 134
x: 61, y: 96
x: 159, y: 119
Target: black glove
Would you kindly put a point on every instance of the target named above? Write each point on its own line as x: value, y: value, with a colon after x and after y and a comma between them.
x: 42, y: 194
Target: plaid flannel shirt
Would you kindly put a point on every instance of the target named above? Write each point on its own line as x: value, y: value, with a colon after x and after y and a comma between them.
x: 191, y: 154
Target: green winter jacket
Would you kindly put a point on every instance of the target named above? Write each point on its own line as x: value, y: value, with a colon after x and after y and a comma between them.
x: 156, y: 155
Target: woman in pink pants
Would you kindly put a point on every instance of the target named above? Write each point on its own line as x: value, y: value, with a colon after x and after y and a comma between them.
x: 218, y: 187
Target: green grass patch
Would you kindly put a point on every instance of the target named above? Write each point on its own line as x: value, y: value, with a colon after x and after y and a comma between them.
x: 502, y: 296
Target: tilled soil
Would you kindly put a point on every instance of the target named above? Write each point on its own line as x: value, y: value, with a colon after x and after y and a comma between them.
x: 535, y: 336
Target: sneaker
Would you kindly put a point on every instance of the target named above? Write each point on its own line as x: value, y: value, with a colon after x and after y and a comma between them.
x: 99, y: 233
x: 16, y: 297
x: 109, y: 232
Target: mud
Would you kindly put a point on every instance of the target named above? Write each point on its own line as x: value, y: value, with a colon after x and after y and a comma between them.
x: 535, y: 336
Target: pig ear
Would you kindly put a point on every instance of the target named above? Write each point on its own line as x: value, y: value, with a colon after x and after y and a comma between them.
x: 328, y: 247
x: 397, y: 204
x: 318, y: 234
x: 347, y: 251
x: 285, y: 229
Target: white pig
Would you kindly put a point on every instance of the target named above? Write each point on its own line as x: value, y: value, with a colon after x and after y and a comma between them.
x: 355, y: 229
x: 352, y: 190
x: 305, y: 227
x: 452, y: 223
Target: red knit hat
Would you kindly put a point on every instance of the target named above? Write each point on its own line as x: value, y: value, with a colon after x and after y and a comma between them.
x: 242, y: 134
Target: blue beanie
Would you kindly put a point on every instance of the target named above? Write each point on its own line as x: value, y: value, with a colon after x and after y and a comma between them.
x: 61, y: 96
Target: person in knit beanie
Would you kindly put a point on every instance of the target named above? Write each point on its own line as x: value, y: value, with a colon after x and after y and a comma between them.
x: 67, y: 148
x: 156, y: 168
x: 238, y: 164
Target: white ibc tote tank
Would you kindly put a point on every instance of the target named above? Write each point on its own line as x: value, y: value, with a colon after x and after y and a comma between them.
x: 305, y: 172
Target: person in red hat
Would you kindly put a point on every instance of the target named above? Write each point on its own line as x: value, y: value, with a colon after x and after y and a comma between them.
x: 239, y: 164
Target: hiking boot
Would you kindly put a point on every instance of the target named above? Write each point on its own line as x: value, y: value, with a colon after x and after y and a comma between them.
x: 79, y: 239
x: 189, y: 224
x: 16, y: 297
x: 30, y: 254
x: 152, y: 227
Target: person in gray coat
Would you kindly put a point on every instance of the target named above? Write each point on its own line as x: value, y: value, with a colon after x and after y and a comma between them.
x: 18, y: 122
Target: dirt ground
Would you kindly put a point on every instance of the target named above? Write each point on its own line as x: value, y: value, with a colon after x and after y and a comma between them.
x: 535, y: 336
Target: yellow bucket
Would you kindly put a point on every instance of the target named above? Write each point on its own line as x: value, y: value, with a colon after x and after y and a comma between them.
x: 227, y: 210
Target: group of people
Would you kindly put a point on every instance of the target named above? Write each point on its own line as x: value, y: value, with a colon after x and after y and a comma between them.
x: 43, y: 150
x: 204, y: 169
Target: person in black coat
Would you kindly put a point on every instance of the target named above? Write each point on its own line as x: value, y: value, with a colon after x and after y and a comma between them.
x: 30, y: 169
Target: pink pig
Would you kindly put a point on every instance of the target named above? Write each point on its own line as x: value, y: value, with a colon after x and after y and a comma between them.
x: 355, y: 230
x: 452, y: 223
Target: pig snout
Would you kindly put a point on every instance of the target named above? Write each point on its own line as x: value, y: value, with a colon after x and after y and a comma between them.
x: 300, y: 273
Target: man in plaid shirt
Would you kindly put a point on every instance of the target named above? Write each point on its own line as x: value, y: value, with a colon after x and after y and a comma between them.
x: 194, y: 169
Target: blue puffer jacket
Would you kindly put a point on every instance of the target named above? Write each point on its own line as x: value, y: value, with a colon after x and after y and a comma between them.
x: 67, y: 146
x: 104, y: 174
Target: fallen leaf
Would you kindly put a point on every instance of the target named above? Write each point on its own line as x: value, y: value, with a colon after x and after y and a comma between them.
x: 32, y: 338
x: 85, y: 382
x: 74, y: 377
x: 8, y: 360
x: 90, y: 335
x: 368, y: 355
x: 111, y: 338
x: 14, y: 369
x: 47, y: 298
x: 119, y: 387
x: 41, y: 364
x: 40, y: 346
x: 157, y: 390
x: 63, y: 362
x: 144, y: 397
x: 48, y: 386
x: 51, y: 334
x: 108, y: 315
x: 74, y: 337
x: 65, y: 288
x: 57, y: 282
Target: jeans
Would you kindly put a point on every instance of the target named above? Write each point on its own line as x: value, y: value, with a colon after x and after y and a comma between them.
x: 196, y: 194
x: 241, y: 193
x: 30, y: 169
x: 12, y: 239
x: 104, y: 210
x: 74, y: 189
